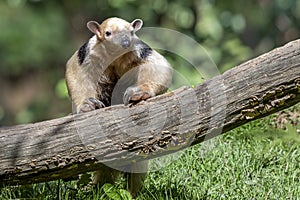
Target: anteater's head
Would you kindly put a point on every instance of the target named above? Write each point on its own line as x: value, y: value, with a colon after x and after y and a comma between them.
x: 115, y: 33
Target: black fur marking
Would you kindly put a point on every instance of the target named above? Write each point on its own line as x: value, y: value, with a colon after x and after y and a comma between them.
x: 144, y: 49
x: 105, y: 89
x: 82, y: 52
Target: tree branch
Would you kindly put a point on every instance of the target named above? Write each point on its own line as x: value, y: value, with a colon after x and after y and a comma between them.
x: 121, y: 135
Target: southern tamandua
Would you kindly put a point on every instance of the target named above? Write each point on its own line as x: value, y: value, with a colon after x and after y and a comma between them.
x: 94, y: 70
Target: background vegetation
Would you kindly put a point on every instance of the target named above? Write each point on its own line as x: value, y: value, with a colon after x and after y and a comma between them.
x: 38, y: 36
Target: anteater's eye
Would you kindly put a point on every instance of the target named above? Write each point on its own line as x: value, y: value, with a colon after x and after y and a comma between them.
x: 107, y: 33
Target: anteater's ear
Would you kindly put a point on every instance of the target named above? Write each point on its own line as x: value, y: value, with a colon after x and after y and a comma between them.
x: 137, y: 24
x: 94, y: 27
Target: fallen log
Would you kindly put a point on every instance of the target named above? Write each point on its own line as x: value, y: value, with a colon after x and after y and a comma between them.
x: 121, y: 135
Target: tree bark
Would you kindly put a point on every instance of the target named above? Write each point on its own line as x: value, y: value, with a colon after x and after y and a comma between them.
x: 121, y: 135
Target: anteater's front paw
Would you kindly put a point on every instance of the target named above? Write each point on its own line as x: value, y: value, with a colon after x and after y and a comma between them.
x: 90, y: 104
x: 135, y: 94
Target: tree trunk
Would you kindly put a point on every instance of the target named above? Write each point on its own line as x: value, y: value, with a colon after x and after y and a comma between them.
x: 121, y: 135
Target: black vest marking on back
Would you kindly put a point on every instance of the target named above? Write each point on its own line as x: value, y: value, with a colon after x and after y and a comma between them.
x: 82, y: 53
x: 144, y: 49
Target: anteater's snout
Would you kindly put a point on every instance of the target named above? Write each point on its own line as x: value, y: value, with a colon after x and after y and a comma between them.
x: 125, y: 43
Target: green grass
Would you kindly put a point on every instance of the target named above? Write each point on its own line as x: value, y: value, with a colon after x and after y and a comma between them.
x: 254, y: 161
x: 242, y: 165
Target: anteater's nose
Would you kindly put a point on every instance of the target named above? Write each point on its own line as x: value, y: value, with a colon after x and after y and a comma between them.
x: 125, y: 43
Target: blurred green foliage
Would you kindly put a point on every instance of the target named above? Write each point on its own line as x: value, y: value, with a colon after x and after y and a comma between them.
x: 30, y: 37
x: 38, y: 36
